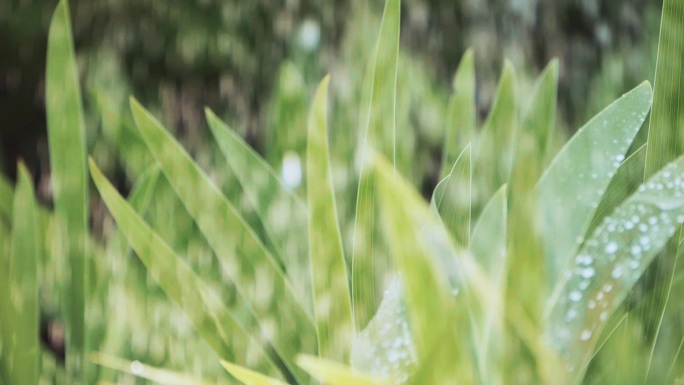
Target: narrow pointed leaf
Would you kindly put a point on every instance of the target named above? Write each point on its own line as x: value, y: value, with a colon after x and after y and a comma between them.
x: 379, y: 131
x: 494, y: 151
x: 67, y: 142
x: 6, y: 197
x: 249, y: 377
x: 611, y: 261
x: 332, y: 302
x: 571, y: 188
x: 215, y: 323
x: 281, y: 212
x: 244, y: 257
x: 452, y: 199
x: 20, y: 346
x: 461, y: 118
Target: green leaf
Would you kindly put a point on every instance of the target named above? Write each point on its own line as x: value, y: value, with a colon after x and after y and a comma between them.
x: 332, y: 303
x: 488, y: 246
x: 333, y: 373
x: 281, y: 212
x: 239, y: 250
x: 452, y: 198
x: 496, y: 145
x: 215, y: 323
x: 367, y: 264
x: 67, y: 142
x: 667, y: 117
x: 610, y: 263
x: 6, y: 197
x: 138, y: 369
x: 571, y: 188
x: 249, y: 377
x: 420, y: 257
x: 19, y: 327
x: 462, y: 117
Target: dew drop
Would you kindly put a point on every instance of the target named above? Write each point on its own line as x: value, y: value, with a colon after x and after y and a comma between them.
x: 617, y: 272
x: 588, y: 272
x: 586, y: 334
x: 611, y: 247
x: 635, y: 250
x: 575, y: 296
x: 137, y: 368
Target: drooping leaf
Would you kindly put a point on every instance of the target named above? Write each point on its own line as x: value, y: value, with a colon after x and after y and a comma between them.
x: 332, y: 302
x: 256, y: 273
x: 216, y: 324
x: 282, y: 213
x: 19, y: 326
x: 67, y: 143
x: 333, y: 373
x: 461, y: 118
x: 249, y: 377
x: 452, y: 198
x: 379, y: 131
x: 610, y: 263
x: 571, y: 188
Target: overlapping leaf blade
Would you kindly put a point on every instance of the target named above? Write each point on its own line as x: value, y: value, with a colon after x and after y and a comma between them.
x: 611, y: 261
x: 224, y: 332
x: 332, y: 302
x: 256, y: 273
x: 571, y: 188
x: 281, y: 212
x: 380, y: 131
x: 452, y: 198
x: 161, y: 376
x: 333, y: 373
x: 67, y: 143
x: 249, y: 377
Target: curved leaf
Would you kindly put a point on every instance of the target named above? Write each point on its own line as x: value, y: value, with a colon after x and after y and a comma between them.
x: 249, y: 377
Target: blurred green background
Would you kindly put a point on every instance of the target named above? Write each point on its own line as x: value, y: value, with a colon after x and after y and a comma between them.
x: 256, y: 64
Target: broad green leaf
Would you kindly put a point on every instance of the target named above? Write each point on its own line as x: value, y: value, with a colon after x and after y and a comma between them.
x: 571, y: 188
x: 67, y: 142
x: 19, y: 327
x: 462, y: 117
x: 256, y: 273
x: 138, y: 369
x: 249, y: 377
x: 610, y: 263
x: 488, y: 246
x: 494, y: 150
x: 332, y: 303
x: 379, y: 131
x: 452, y: 199
x: 216, y: 324
x: 333, y: 373
x: 627, y: 179
x: 281, y: 212
x: 667, y: 117
x: 441, y: 355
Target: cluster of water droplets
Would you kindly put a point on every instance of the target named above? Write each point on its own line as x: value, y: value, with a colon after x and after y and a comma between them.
x: 612, y: 260
x: 384, y: 348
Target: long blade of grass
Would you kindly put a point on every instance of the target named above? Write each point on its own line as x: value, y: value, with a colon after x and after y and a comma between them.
x: 282, y: 213
x: 256, y: 273
x: 20, y: 347
x: 571, y: 188
x: 332, y: 302
x: 611, y: 261
x: 379, y: 131
x: 249, y: 377
x: 6, y: 197
x: 495, y: 147
x: 333, y: 373
x: 215, y: 323
x: 452, y: 198
x: 461, y: 118
x: 67, y: 142
x: 6, y: 309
